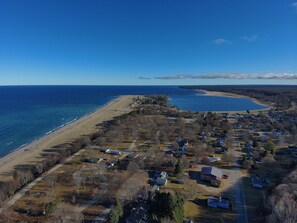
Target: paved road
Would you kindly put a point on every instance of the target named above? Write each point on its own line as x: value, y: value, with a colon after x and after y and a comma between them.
x: 237, y: 175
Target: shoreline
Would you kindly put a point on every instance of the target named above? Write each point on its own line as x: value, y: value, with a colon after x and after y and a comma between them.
x: 231, y: 95
x: 85, y: 125
x: 58, y: 128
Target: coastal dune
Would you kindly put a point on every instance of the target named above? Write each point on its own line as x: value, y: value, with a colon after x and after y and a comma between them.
x: 32, y: 153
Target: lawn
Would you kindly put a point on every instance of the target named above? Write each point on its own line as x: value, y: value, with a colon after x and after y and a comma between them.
x: 254, y: 198
x: 203, y: 214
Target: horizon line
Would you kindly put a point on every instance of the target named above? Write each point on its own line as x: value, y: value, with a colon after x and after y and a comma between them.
x: 36, y: 85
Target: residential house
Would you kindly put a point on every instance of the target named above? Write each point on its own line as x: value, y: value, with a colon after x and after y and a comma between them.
x: 161, y: 174
x: 219, y: 142
x: 161, y: 178
x: 293, y: 148
x: 113, y: 152
x: 138, y: 214
x: 183, y: 144
x: 256, y: 182
x: 214, y: 159
x: 276, y: 134
x: 109, y: 164
x: 218, y: 202
x: 249, y: 146
x: 103, y: 149
x: 264, y: 137
x: 102, y: 217
x: 238, y: 125
x: 212, y: 175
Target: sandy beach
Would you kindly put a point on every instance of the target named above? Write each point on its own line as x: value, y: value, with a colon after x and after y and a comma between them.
x: 231, y: 95
x: 86, y: 125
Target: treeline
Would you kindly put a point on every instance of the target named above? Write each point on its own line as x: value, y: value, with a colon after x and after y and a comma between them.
x: 281, y: 204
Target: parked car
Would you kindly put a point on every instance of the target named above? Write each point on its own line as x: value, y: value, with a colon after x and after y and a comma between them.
x: 225, y: 176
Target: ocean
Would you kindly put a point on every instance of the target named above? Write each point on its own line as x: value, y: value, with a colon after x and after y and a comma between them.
x: 30, y: 112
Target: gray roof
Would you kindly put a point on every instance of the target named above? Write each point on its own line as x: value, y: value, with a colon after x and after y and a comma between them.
x: 212, y: 171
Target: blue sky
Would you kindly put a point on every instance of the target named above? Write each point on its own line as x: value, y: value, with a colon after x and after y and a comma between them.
x: 148, y: 42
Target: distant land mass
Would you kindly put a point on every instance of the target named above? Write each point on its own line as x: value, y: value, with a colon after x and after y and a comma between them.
x: 279, y: 95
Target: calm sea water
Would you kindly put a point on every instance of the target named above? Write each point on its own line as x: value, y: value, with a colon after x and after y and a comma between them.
x: 29, y: 112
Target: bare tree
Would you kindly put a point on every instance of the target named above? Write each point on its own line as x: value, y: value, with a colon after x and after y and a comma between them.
x: 101, y: 168
x: 175, y: 145
x: 91, y: 154
x: 285, y: 210
x: 66, y: 213
x: 247, y: 164
x: 228, y: 157
x: 132, y: 167
x: 51, y: 181
x: 25, y: 176
x: 101, y: 141
x: 77, y: 181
